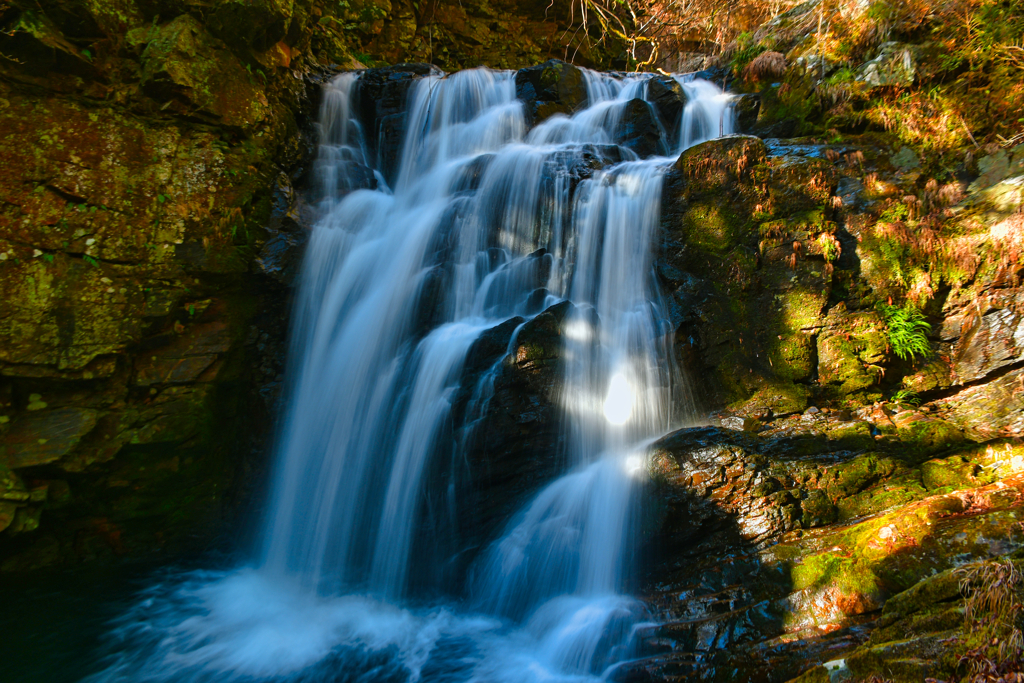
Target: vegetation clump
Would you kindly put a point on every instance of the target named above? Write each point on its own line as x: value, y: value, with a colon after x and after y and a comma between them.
x: 993, y: 612
x: 907, y: 330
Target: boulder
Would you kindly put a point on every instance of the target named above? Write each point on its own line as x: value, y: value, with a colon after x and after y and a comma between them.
x: 508, y: 419
x: 668, y: 98
x: 553, y: 87
x: 747, y: 108
x: 639, y: 130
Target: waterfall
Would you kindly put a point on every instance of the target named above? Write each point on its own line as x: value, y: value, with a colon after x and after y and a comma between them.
x: 396, y: 287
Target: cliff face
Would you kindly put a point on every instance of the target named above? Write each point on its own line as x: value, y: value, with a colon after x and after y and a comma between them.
x: 142, y: 161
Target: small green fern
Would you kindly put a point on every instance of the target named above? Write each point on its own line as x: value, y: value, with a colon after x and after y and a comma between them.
x: 907, y: 330
x: 906, y: 398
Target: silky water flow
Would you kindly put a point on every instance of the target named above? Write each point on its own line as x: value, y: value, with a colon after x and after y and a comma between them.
x: 483, y: 225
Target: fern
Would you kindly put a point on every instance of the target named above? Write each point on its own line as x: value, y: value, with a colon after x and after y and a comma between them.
x: 906, y: 398
x: 907, y: 330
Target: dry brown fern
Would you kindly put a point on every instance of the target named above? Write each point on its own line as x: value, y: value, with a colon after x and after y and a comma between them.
x: 766, y: 66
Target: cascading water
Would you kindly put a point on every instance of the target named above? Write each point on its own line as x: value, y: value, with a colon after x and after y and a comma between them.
x: 396, y: 288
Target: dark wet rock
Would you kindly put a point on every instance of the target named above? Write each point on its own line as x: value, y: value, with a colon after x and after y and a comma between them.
x: 786, y: 128
x: 514, y: 440
x: 390, y: 137
x: 430, y: 310
x: 290, y: 223
x: 747, y: 108
x: 491, y: 346
x: 639, y: 129
x: 553, y: 87
x: 381, y: 98
x: 719, y: 75
x: 667, y: 97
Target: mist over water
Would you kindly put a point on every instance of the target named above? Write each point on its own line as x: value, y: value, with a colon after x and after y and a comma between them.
x: 483, y: 224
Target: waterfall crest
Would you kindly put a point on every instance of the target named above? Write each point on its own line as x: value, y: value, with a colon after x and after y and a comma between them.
x: 487, y: 222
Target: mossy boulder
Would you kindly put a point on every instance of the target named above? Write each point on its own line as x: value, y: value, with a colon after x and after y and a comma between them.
x: 553, y: 87
x: 750, y: 220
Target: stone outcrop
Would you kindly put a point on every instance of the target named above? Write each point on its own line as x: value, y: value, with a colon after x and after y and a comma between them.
x: 825, y: 532
x: 796, y: 546
x: 140, y: 339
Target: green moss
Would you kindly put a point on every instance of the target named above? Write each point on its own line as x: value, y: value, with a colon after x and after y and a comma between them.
x: 925, y: 437
x: 713, y: 226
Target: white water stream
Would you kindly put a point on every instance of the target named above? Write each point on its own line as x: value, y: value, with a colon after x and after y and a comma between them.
x: 477, y: 194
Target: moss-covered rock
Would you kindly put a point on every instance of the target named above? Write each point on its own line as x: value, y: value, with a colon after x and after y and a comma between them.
x: 191, y: 70
x: 745, y: 581
x: 851, y: 350
x: 553, y: 87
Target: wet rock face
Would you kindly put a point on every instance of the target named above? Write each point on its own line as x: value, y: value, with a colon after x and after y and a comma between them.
x: 510, y: 417
x: 382, y: 97
x: 668, y: 99
x: 639, y: 129
x: 747, y: 108
x: 553, y: 87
